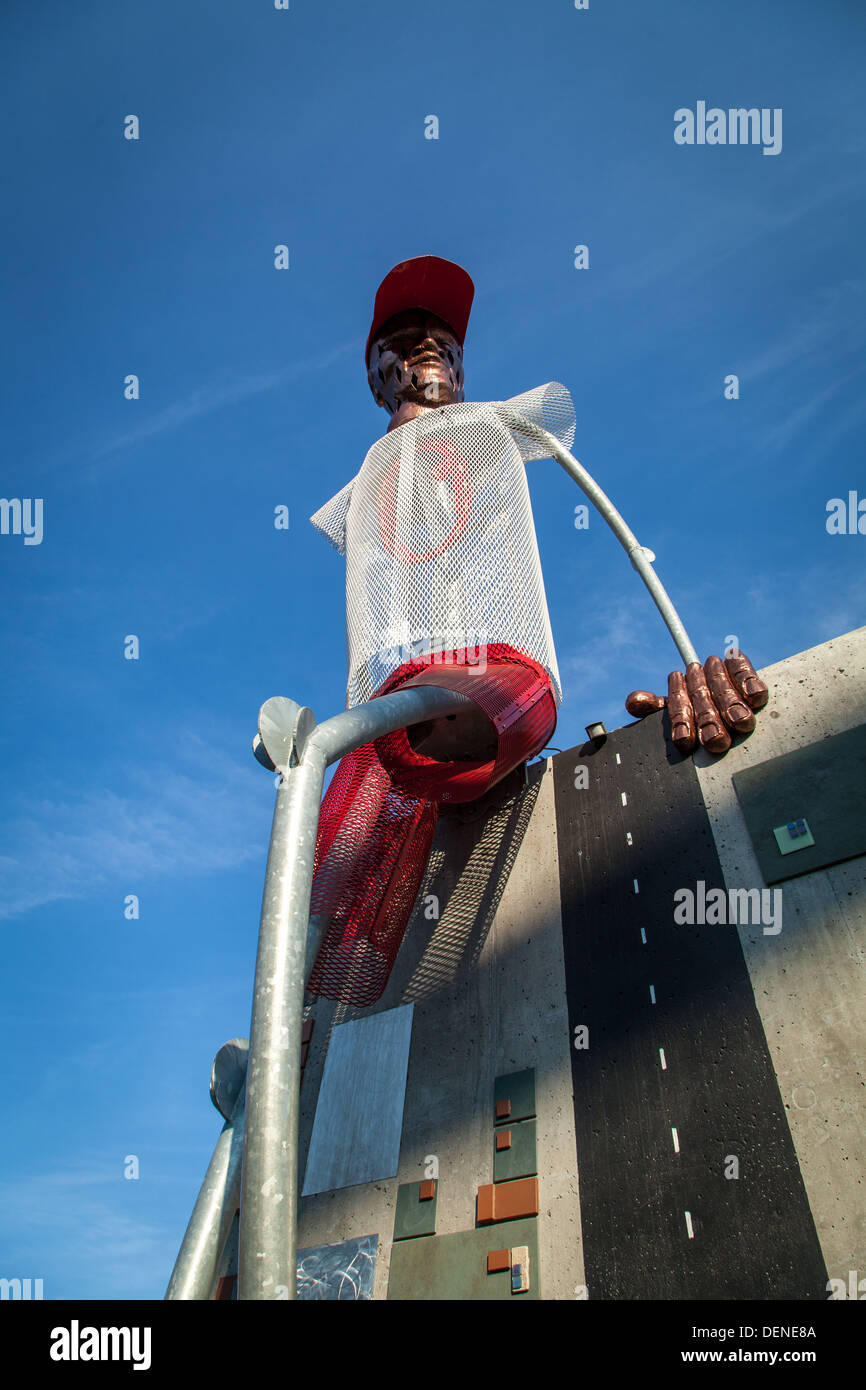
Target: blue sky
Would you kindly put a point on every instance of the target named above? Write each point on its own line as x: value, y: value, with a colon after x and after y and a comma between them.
x: 155, y: 257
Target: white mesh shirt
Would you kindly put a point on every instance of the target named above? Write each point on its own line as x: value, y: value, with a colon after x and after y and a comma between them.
x: 439, y: 540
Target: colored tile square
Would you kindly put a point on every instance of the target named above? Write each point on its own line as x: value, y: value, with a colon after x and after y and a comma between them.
x: 484, y: 1205
x: 517, y: 1089
x: 506, y: 1201
x: 520, y: 1269
x: 503, y: 1140
x: 795, y: 835
x: 427, y: 1190
x: 498, y: 1261
x: 414, y: 1217
x: 453, y: 1268
x: 519, y: 1159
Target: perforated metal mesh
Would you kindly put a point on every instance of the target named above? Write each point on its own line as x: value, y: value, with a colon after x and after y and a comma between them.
x: 439, y: 540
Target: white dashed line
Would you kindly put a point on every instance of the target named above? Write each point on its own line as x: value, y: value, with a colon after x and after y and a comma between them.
x: 618, y: 758
x: 643, y: 935
x: 653, y: 993
x: 636, y: 889
x: 624, y: 798
x: 662, y: 1056
x: 689, y: 1225
x: 676, y: 1139
x: 628, y: 839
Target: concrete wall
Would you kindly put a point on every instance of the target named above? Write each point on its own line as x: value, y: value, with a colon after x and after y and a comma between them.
x: 488, y: 980
x: 810, y: 981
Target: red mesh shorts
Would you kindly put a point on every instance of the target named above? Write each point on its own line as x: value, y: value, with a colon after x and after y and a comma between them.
x: 378, y: 816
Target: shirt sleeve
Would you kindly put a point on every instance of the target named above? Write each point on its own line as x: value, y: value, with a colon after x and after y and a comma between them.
x: 331, y: 518
x: 551, y: 407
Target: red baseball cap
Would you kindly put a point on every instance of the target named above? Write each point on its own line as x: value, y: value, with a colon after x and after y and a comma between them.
x: 425, y: 282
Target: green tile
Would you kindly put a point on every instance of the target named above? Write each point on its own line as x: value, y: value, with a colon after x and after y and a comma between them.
x: 519, y: 1088
x: 822, y: 784
x: 414, y: 1217
x: 454, y: 1268
x: 520, y: 1160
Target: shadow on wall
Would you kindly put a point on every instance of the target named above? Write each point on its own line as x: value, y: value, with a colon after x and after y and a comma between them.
x: 472, y: 857
x: 469, y: 878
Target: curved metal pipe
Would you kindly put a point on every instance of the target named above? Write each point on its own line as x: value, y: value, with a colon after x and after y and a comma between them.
x: 638, y: 554
x: 288, y: 943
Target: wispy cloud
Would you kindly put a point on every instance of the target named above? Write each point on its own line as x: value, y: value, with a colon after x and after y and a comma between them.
x: 168, y: 822
x: 218, y: 395
x: 622, y: 649
x: 79, y: 1222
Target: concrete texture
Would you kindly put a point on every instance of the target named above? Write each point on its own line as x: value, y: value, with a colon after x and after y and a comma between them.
x: 810, y: 980
x: 487, y: 980
x: 483, y: 962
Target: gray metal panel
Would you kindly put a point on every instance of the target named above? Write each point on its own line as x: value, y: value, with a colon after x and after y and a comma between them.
x: 823, y: 782
x: 359, y: 1116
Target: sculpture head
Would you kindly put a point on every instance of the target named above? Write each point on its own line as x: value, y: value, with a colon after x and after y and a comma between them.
x: 414, y: 349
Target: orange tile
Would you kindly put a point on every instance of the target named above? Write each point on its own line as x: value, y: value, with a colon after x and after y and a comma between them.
x: 485, y: 1205
x: 427, y: 1191
x: 503, y: 1109
x: 503, y: 1139
x: 506, y: 1201
x: 498, y: 1260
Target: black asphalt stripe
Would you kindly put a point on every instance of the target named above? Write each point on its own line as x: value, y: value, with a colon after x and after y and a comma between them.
x: 754, y: 1236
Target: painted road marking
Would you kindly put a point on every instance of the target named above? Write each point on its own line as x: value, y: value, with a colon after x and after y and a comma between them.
x: 676, y: 1139
x: 662, y: 1055
x: 689, y: 1225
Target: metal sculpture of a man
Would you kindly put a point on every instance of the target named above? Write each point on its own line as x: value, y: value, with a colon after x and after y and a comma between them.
x: 444, y: 587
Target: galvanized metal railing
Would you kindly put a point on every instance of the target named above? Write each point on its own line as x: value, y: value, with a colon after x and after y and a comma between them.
x: 264, y: 1116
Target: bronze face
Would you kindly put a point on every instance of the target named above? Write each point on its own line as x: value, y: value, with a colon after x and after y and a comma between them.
x: 416, y: 364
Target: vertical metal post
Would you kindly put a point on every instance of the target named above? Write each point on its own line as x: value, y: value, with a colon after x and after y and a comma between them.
x: 267, y: 1258
x: 195, y: 1271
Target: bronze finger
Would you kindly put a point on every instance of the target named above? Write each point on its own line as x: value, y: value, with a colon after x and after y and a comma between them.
x: 746, y: 679
x: 711, y: 728
x: 642, y: 702
x: 726, y: 698
x: 682, y: 716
